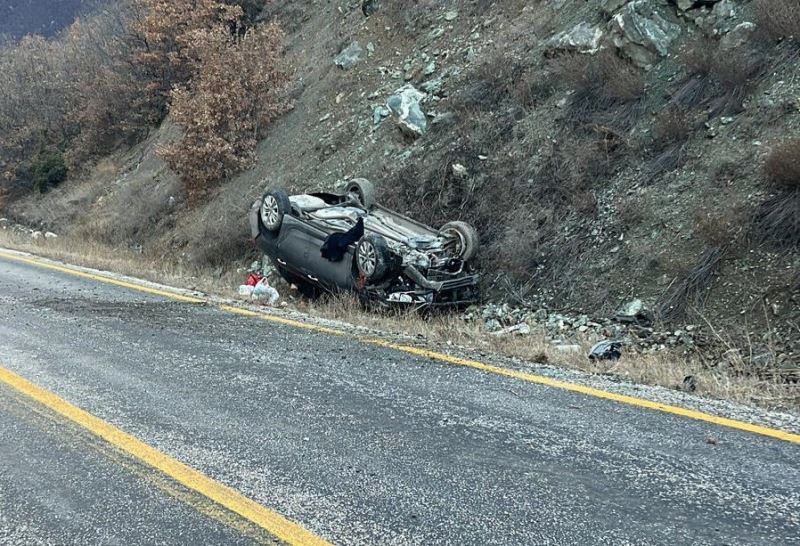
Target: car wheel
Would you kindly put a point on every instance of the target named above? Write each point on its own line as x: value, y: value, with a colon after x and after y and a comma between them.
x: 274, y: 206
x: 461, y: 238
x: 363, y: 191
x: 373, y: 257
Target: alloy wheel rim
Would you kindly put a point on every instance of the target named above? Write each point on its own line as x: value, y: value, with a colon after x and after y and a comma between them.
x: 270, y: 214
x: 458, y: 239
x: 367, y: 258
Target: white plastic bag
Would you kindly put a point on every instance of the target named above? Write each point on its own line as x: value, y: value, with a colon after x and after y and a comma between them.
x: 264, y: 291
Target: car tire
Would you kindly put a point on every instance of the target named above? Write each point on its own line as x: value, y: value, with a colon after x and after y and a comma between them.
x: 374, y: 259
x: 464, y: 237
x: 274, y: 206
x: 363, y: 190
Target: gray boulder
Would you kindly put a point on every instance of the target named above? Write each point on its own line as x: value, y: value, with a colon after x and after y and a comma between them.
x: 583, y: 38
x: 634, y: 311
x: 642, y: 32
x: 738, y: 36
x: 368, y: 7
x: 405, y: 105
x: 349, y: 56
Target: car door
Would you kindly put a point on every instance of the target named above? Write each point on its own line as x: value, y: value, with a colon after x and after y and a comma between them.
x: 299, y: 246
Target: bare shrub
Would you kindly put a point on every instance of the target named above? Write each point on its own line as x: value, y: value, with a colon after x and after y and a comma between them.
x: 721, y: 224
x: 492, y: 82
x: 782, y: 167
x: 237, y: 89
x: 633, y: 212
x: 718, y: 79
x: 575, y: 165
x: 531, y: 87
x: 727, y: 171
x: 778, y: 19
x: 777, y: 221
x: 692, y: 290
x: 671, y: 132
x: 600, y: 82
x: 671, y: 127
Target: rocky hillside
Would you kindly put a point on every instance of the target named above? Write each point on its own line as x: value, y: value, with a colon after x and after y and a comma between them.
x: 611, y: 152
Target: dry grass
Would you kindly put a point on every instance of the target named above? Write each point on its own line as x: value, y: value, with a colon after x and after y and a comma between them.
x: 721, y: 224
x: 691, y: 291
x: 778, y: 20
x: 665, y: 369
x: 601, y: 83
x: 717, y: 79
x: 782, y: 167
x: 777, y: 220
x: 671, y: 131
x: 447, y: 331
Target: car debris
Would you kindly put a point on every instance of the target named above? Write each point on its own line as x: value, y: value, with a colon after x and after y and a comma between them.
x: 263, y: 291
x: 347, y: 242
x: 257, y: 287
x: 606, y: 350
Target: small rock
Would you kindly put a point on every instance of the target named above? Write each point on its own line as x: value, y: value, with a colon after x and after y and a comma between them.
x: 50, y: 235
x: 378, y: 113
x: 349, y: 56
x: 738, y: 36
x: 433, y: 87
x: 435, y: 33
x: 517, y: 330
x: 451, y: 15
x: 634, y: 311
x: 582, y: 38
x: 459, y: 170
x: 689, y: 384
x: 405, y: 105
x: 368, y: 7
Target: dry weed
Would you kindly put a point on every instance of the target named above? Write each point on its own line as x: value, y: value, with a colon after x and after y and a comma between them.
x: 716, y: 79
x: 782, y: 167
x: 778, y: 20
x: 601, y: 83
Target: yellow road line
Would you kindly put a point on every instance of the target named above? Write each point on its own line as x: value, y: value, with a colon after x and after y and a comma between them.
x: 99, y: 278
x: 474, y: 364
x: 591, y: 391
x: 272, y: 522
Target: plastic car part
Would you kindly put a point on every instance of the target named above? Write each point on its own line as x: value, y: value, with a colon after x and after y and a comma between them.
x: 606, y: 350
x: 274, y: 206
x: 363, y: 191
x: 462, y: 237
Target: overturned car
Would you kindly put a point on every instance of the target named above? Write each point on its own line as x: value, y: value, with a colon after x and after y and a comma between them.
x: 335, y: 242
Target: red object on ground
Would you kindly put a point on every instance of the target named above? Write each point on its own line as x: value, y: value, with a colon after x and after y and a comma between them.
x: 253, y: 279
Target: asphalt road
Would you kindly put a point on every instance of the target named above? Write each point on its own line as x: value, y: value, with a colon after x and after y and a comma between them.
x: 356, y: 443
